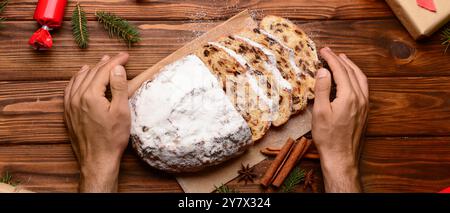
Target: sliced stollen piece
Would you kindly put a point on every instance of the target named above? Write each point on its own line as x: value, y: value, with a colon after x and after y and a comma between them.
x: 289, y: 34
x: 269, y: 78
x: 281, y: 56
x: 182, y: 121
x: 242, y: 89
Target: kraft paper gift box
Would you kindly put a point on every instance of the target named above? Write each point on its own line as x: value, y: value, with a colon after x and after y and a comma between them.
x: 419, y: 21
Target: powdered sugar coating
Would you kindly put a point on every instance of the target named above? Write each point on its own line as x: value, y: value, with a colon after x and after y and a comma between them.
x: 298, y: 71
x: 182, y: 121
x: 253, y: 82
x: 270, y: 65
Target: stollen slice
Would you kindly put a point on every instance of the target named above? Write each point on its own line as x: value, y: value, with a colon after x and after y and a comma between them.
x: 269, y: 78
x: 290, y: 35
x: 284, y: 61
x: 248, y: 99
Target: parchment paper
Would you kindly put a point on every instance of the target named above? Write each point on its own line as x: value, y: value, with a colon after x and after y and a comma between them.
x: 6, y: 188
x: 206, y: 180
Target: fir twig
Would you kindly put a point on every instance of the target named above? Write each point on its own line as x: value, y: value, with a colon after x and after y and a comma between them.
x: 79, y: 27
x: 446, y: 38
x: 8, y: 179
x: 2, y: 7
x: 295, y: 177
x: 225, y: 189
x: 119, y: 27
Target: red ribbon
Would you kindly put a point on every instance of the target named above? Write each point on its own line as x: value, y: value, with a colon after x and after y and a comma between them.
x: 50, y: 14
x: 427, y: 4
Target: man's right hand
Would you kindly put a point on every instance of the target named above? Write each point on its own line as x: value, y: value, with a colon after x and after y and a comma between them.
x: 337, y: 127
x: 98, y: 128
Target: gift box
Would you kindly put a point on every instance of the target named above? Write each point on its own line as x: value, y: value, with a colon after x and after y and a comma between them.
x: 421, y: 17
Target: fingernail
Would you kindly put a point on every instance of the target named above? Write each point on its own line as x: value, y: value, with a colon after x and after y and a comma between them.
x: 105, y: 57
x: 327, y: 48
x: 343, y: 55
x: 119, y: 71
x: 322, y: 73
x: 84, y: 68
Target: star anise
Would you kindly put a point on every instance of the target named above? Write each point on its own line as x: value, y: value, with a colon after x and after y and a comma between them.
x: 309, y: 179
x: 246, y: 174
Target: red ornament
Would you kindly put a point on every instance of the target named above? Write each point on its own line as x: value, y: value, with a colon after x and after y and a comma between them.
x: 49, y: 14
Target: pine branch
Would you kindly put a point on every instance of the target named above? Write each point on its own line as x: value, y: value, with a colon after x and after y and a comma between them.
x: 446, y: 38
x: 2, y: 7
x: 79, y: 27
x: 225, y: 189
x: 295, y: 177
x: 2, y: 19
x: 8, y: 179
x: 119, y: 27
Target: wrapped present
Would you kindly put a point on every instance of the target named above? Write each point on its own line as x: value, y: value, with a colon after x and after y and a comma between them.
x: 421, y: 17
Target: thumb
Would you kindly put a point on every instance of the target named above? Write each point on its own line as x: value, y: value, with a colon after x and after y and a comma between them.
x: 322, y: 90
x: 119, y: 87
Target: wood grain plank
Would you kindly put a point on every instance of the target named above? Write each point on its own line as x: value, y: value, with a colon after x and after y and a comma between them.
x: 207, y: 9
x: 33, y: 140
x: 409, y: 106
x: 406, y: 164
x: 32, y: 112
x: 43, y: 101
x: 379, y: 47
x: 53, y: 168
x: 387, y: 165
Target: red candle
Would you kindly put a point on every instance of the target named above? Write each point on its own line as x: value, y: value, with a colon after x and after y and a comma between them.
x: 49, y: 14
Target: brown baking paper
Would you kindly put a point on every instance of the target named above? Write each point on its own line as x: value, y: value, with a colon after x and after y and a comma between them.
x: 6, y: 188
x: 206, y: 180
x: 418, y: 21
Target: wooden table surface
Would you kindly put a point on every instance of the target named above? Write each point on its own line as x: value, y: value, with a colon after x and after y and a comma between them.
x: 407, y: 148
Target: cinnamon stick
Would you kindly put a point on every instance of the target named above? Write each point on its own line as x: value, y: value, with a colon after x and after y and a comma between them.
x: 298, y: 151
x: 274, y: 167
x: 269, y: 152
x: 308, y: 155
x: 273, y: 149
x: 312, y: 156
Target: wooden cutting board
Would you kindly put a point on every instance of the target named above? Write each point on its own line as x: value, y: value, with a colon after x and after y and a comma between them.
x: 207, y: 180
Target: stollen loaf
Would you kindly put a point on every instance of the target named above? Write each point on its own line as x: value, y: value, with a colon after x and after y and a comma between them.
x: 182, y: 120
x: 211, y: 105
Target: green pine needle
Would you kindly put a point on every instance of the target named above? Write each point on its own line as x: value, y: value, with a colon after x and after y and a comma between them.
x: 8, y: 179
x: 2, y: 19
x: 119, y: 27
x: 2, y: 7
x: 79, y: 27
x: 446, y: 38
x: 295, y: 177
x: 225, y: 189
